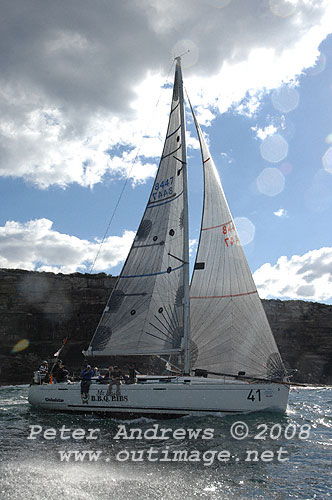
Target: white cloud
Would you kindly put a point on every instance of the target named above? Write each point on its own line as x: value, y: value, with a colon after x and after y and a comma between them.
x: 281, y: 213
x: 307, y: 276
x: 227, y: 158
x: 263, y: 133
x: 41, y: 153
x: 35, y: 245
x: 204, y: 115
x: 77, y: 88
x: 192, y: 247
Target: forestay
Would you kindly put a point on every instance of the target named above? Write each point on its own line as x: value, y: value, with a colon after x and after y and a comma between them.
x: 144, y: 314
x: 229, y: 329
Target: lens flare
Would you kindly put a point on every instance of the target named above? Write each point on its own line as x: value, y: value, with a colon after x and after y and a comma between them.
x: 219, y: 4
x: 21, y: 345
x: 319, y: 195
x: 274, y: 148
x: 327, y: 160
x: 189, y: 51
x: 270, y: 181
x: 246, y: 230
x: 328, y: 139
x: 285, y: 99
x: 282, y: 8
x: 286, y: 168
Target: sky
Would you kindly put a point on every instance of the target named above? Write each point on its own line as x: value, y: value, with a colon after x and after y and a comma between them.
x: 85, y: 90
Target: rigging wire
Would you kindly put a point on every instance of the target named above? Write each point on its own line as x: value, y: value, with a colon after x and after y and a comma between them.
x: 183, y: 53
x: 125, y: 184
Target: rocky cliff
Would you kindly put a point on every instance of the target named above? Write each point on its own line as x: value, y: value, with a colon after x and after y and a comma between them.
x: 44, y: 308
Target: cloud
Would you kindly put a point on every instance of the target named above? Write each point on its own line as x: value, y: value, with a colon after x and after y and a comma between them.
x: 307, y: 276
x: 35, y: 245
x: 263, y: 133
x: 227, y: 158
x: 193, y: 247
x: 281, y: 213
x: 78, y: 84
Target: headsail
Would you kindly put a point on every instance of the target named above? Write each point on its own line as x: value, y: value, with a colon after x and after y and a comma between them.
x: 229, y: 329
x: 144, y: 314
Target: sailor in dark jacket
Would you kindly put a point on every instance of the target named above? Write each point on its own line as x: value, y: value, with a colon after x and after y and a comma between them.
x: 60, y: 373
x: 86, y: 375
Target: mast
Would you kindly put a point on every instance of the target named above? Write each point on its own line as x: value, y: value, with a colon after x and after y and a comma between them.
x: 186, y: 302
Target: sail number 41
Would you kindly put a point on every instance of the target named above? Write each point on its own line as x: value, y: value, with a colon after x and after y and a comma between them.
x: 254, y: 395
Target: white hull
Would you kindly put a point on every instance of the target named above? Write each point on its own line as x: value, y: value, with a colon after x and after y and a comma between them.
x: 164, y: 398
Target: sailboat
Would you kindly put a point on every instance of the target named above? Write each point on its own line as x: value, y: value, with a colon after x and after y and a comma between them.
x: 213, y: 330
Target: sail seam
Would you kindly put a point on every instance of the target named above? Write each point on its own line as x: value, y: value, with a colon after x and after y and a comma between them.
x: 168, y: 198
x: 171, y: 331
x: 170, y: 135
x: 223, y: 296
x: 162, y: 324
x: 178, y: 104
x: 215, y: 227
x: 174, y: 321
x: 169, y: 154
x: 150, y: 274
x: 153, y: 204
x: 176, y: 317
x: 168, y: 339
x: 161, y: 243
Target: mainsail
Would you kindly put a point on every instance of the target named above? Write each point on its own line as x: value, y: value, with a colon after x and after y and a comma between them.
x: 145, y: 312
x: 229, y: 329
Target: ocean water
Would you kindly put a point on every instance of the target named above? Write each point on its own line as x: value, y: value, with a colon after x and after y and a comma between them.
x: 271, y: 456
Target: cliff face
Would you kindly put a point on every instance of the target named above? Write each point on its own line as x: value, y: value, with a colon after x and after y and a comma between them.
x: 44, y: 308
x: 303, y: 332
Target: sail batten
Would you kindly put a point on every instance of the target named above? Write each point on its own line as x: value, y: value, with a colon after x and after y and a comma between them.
x: 222, y: 296
x: 135, y: 352
x: 150, y: 274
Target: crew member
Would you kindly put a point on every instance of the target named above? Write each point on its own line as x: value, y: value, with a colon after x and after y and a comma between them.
x: 86, y: 375
x: 60, y: 373
x: 43, y: 372
x: 115, y: 376
x: 132, y: 374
